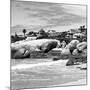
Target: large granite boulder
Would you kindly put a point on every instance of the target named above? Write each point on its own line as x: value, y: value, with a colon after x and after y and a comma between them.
x: 70, y: 62
x: 81, y: 46
x: 44, y: 45
x: 20, y: 53
x: 72, y: 45
x: 75, y: 52
x: 65, y: 52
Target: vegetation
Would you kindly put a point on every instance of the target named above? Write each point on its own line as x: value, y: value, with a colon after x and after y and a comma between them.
x: 52, y: 34
x: 82, y: 28
x: 42, y: 34
x: 16, y: 37
x: 31, y: 33
x: 24, y: 32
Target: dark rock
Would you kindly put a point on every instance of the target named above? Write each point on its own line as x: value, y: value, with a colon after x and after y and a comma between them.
x: 83, y: 68
x: 55, y: 59
x: 20, y: 53
x: 70, y: 62
x: 46, y: 47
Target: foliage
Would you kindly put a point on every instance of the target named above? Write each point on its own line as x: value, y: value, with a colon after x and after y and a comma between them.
x: 42, y: 34
x: 16, y: 38
x: 24, y: 31
x: 31, y: 33
x: 82, y: 28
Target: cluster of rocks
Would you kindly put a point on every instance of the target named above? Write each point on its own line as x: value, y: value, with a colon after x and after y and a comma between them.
x: 78, y: 50
x: 23, y: 49
x: 75, y: 48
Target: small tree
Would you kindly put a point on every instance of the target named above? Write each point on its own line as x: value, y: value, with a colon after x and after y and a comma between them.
x: 24, y: 32
x: 82, y: 28
x: 16, y: 35
x: 42, y: 34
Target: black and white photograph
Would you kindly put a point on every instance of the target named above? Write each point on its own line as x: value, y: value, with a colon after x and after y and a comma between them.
x: 48, y: 44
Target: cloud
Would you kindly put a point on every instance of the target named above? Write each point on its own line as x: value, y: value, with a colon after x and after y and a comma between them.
x: 79, y: 10
x: 41, y: 14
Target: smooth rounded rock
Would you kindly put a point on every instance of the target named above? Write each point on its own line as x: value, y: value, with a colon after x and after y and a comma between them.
x: 73, y: 43
x: 70, y: 62
x: 20, y: 53
x: 46, y: 47
x: 65, y: 52
x: 81, y: 46
x: 75, y: 52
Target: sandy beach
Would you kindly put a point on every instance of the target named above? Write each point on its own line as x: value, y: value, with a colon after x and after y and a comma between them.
x: 46, y: 74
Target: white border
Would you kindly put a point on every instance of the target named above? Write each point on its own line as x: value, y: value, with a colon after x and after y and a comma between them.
x: 5, y: 44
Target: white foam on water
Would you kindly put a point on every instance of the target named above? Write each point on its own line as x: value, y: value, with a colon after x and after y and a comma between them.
x: 26, y: 66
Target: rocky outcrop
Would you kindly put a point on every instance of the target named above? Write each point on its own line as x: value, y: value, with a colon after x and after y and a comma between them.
x: 72, y: 45
x: 81, y: 46
x: 44, y: 45
x: 75, y: 52
x: 20, y: 53
x: 65, y: 52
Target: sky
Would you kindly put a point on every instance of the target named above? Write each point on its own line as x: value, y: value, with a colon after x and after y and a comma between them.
x: 37, y: 15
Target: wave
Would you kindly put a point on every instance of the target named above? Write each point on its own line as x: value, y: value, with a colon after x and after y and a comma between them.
x: 26, y: 66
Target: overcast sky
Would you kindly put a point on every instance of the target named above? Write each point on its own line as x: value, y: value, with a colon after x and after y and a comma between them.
x: 47, y: 15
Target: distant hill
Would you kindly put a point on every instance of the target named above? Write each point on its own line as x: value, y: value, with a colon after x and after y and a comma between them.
x: 19, y: 28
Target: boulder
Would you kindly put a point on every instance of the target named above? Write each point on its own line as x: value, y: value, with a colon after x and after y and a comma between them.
x: 70, y: 62
x: 65, y: 52
x: 84, y: 53
x: 81, y: 46
x: 20, y: 53
x: 75, y: 52
x: 44, y: 45
x: 34, y: 43
x: 72, y: 45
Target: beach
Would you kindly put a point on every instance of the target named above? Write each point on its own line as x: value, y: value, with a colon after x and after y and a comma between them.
x: 34, y: 73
